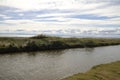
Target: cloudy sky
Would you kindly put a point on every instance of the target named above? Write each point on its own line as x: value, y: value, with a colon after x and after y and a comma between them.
x: 73, y: 17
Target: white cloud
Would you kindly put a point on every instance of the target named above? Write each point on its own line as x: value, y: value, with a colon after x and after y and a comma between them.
x: 55, y: 15
x: 83, y: 32
x: 53, y: 4
x: 66, y: 24
x: 21, y: 14
x: 107, y: 11
x: 18, y: 21
x: 100, y: 8
x: 4, y: 16
x: 62, y: 19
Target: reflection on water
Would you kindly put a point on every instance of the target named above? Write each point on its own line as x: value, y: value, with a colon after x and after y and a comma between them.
x: 49, y: 53
x: 89, y: 49
x: 54, y: 65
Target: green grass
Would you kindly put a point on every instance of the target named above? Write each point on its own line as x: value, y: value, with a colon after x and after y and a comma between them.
x: 43, y: 42
x: 109, y: 71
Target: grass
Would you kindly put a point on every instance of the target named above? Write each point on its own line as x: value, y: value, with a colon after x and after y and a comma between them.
x: 43, y: 42
x: 109, y: 71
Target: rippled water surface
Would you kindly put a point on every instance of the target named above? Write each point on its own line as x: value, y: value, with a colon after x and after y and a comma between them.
x: 54, y: 65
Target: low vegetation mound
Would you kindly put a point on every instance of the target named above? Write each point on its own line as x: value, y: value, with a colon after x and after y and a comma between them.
x: 44, y: 42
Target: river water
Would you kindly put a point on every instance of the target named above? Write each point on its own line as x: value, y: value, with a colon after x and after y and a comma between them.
x: 54, y: 65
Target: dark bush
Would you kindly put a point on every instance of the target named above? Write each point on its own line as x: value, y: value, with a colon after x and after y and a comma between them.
x: 30, y: 46
x: 41, y: 36
x: 57, y: 44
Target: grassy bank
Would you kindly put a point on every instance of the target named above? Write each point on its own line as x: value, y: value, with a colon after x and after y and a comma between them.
x: 101, y: 72
x: 43, y: 42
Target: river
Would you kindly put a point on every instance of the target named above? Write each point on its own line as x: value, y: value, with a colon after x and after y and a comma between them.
x: 54, y: 65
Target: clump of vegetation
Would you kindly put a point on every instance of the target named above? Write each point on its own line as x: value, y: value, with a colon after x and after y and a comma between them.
x: 41, y: 36
x: 43, y: 42
x: 101, y: 72
x: 30, y: 46
x: 9, y: 47
x: 58, y: 44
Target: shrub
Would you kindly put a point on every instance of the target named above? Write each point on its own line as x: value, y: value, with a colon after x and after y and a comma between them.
x: 41, y: 36
x: 30, y: 45
x: 57, y: 44
x: 89, y: 43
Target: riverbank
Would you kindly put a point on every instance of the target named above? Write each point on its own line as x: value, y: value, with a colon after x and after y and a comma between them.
x: 43, y: 42
x: 109, y: 71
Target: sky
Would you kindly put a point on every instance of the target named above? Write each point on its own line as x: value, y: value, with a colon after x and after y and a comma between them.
x: 61, y: 17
